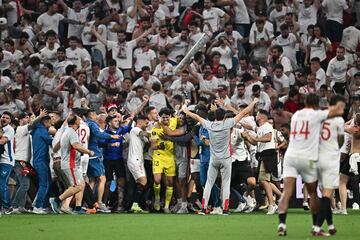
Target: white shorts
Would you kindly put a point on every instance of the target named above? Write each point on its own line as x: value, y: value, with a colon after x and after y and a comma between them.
x: 329, y: 171
x: 136, y: 167
x: 74, y: 176
x: 307, y: 169
x: 345, y: 148
x: 84, y: 164
x: 194, y: 165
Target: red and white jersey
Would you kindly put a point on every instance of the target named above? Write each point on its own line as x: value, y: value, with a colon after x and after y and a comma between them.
x: 84, y: 134
x: 305, y: 133
x: 331, y: 129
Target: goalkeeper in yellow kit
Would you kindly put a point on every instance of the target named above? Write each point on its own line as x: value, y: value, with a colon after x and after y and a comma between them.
x: 163, y: 158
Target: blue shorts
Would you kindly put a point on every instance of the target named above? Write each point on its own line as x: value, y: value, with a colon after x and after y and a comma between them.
x: 95, y: 168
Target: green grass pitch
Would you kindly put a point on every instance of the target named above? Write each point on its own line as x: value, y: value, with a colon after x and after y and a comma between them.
x: 160, y: 226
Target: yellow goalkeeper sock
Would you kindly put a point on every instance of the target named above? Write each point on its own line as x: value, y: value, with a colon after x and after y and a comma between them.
x: 168, y: 195
x: 157, y: 191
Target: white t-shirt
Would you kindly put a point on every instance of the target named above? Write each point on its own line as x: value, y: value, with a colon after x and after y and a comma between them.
x: 136, y: 145
x: 239, y: 151
x: 48, y: 22
x: 59, y: 67
x: 281, y: 83
x: 331, y: 129
x: 76, y: 30
x: 262, y: 131
x: 288, y: 45
x: 165, y: 70
x: 179, y: 48
x: 278, y: 17
x: 106, y: 79
x: 350, y: 38
x: 241, y: 13
x: 49, y: 55
x: 209, y: 85
x: 22, y: 143
x: 305, y: 134
x: 306, y: 16
x: 226, y: 56
x: 337, y: 70
x: 213, y: 16
x: 255, y: 36
x: 5, y: 82
x: 8, y: 156
x: 122, y: 53
x: 334, y: 9
x: 182, y: 89
x: 318, y: 49
x: 146, y: 84
x: 320, y: 78
x: 7, y: 60
x: 143, y: 59
x: 77, y: 56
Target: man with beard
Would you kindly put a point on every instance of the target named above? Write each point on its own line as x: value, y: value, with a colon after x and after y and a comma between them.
x: 113, y: 159
x: 336, y: 72
x: 122, y: 51
x: 71, y: 148
x: 6, y: 160
x: 178, y: 45
x: 159, y: 41
x: 96, y: 171
x: 310, y: 87
x: 240, y: 98
x: 111, y: 76
x: 62, y: 62
x: 22, y: 155
x: 277, y: 57
x: 287, y: 41
x: 41, y: 160
x: 138, y: 137
x: 207, y: 81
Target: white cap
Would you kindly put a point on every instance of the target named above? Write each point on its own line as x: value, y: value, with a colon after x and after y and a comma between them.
x: 3, y: 21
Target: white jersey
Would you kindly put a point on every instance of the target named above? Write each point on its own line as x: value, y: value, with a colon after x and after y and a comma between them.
x: 239, y: 151
x: 84, y: 134
x: 331, y: 129
x: 136, y: 145
x: 22, y: 143
x: 262, y: 131
x: 7, y: 156
x: 305, y: 133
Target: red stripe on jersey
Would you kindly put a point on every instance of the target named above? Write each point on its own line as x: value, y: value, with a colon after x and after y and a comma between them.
x: 72, y: 157
x: 226, y: 204
x: 73, y: 175
x: 203, y: 203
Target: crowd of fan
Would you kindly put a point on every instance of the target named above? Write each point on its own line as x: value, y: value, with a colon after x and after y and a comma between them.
x: 111, y: 63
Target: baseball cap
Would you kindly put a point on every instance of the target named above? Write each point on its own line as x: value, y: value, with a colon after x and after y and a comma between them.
x: 3, y: 21
x: 111, y: 106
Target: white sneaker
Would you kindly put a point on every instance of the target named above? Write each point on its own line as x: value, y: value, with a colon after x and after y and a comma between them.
x: 341, y: 212
x: 102, y: 208
x: 249, y: 201
x: 272, y: 209
x: 249, y: 210
x: 166, y: 210
x: 217, y: 211
x: 355, y: 206
x: 240, y: 207
x: 182, y: 210
x: 39, y: 211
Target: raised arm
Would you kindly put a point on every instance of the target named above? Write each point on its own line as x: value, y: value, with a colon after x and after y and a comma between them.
x: 193, y: 115
x: 98, y: 36
x: 246, y: 110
